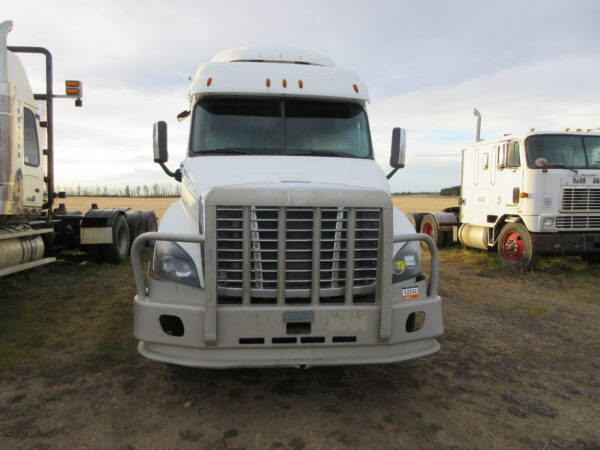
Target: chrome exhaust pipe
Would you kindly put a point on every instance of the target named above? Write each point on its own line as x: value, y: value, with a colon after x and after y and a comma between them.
x: 5, y: 28
x: 478, y: 126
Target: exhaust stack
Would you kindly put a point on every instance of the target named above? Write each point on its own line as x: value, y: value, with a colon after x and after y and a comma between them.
x: 5, y: 28
x: 478, y: 127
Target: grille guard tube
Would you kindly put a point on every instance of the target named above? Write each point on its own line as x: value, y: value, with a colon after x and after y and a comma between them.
x: 210, y: 312
x: 385, y: 323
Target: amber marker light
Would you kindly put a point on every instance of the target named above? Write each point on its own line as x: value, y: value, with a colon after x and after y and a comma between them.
x: 72, y: 83
x: 209, y: 82
x: 523, y: 195
x: 284, y: 83
x: 355, y: 88
x: 72, y: 91
x: 268, y: 82
x: 300, y: 84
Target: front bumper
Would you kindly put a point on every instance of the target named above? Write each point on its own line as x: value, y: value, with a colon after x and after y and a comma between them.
x: 565, y: 243
x: 339, y: 335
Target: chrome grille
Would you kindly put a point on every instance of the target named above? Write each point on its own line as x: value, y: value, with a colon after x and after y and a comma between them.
x: 577, y: 222
x: 283, y: 244
x: 580, y: 199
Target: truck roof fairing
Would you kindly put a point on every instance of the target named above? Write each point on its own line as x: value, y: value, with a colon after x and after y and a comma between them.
x: 277, y: 71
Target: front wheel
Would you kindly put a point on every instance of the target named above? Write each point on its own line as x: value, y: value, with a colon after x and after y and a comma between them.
x: 515, y: 246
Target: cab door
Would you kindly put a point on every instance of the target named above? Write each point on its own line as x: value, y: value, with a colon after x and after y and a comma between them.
x: 33, y: 169
x: 509, y: 177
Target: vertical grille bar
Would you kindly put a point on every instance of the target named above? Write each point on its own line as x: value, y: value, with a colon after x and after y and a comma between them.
x: 350, y: 238
x: 316, y: 258
x: 246, y: 257
x: 210, y: 276
x: 281, y: 249
x: 384, y: 271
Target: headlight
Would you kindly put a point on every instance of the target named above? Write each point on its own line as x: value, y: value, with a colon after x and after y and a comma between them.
x: 172, y: 263
x: 548, y: 222
x: 407, y: 262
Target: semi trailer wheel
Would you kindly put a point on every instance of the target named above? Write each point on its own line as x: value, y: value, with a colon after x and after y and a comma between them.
x: 515, y: 246
x: 150, y: 224
x: 117, y: 252
x: 430, y: 226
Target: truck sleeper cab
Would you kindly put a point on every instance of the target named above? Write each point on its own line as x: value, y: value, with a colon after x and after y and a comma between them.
x: 285, y: 248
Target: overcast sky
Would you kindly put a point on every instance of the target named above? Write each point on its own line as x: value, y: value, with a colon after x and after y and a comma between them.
x: 522, y: 63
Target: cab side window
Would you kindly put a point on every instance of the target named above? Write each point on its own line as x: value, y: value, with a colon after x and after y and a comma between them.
x: 32, y: 150
x: 513, y: 159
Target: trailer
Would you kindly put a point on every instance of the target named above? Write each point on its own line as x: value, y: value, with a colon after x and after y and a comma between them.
x: 32, y: 229
x: 285, y: 248
x: 524, y: 196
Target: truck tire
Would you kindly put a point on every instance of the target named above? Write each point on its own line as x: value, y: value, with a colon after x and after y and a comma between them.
x: 117, y: 252
x: 415, y: 219
x: 150, y: 224
x: 135, y: 222
x: 515, y: 247
x: 430, y: 226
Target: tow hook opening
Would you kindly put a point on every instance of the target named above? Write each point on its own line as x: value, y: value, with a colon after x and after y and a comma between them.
x: 297, y: 328
x: 415, y: 321
x: 171, y: 325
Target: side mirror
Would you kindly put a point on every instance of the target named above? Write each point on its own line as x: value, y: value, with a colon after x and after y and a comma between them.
x: 398, y: 153
x: 398, y: 148
x: 161, y: 154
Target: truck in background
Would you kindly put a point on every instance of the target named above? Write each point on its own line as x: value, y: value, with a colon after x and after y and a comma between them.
x: 526, y: 195
x: 285, y: 248
x: 31, y: 229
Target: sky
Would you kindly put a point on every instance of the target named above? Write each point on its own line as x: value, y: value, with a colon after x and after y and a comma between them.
x: 524, y: 64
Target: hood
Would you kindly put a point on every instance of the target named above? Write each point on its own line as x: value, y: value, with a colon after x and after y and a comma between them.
x: 205, y: 172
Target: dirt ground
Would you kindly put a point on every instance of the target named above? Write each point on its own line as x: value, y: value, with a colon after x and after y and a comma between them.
x: 519, y: 367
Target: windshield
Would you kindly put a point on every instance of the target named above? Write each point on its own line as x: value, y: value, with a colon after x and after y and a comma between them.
x: 578, y: 152
x: 274, y: 127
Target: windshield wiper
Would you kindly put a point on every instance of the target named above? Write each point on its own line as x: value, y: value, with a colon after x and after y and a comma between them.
x: 323, y: 153
x: 226, y: 151
x: 560, y: 166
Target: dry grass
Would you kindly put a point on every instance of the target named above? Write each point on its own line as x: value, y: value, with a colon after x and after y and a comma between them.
x: 423, y: 203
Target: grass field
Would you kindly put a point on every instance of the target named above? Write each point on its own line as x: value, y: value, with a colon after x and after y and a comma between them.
x: 519, y: 368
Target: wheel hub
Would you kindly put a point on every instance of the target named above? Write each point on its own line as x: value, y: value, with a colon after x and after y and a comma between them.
x: 513, y: 247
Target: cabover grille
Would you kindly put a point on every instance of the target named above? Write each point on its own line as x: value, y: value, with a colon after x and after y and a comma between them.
x: 580, y: 199
x: 7, y: 156
x: 577, y: 222
x: 283, y: 244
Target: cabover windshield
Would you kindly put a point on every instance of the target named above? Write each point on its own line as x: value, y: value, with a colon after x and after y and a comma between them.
x: 570, y: 151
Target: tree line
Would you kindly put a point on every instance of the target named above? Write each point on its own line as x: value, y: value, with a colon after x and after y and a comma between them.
x: 144, y: 190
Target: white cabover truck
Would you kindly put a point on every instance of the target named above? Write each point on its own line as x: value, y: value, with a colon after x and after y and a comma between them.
x: 285, y: 248
x: 526, y: 195
x: 31, y: 230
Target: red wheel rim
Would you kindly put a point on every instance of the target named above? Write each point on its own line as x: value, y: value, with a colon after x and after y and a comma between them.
x: 428, y: 229
x: 513, y: 247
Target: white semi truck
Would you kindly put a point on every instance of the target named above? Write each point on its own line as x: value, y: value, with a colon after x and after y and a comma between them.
x: 526, y: 195
x: 31, y: 229
x: 285, y: 248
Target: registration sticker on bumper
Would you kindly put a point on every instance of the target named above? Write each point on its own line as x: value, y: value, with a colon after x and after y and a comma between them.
x: 409, y: 293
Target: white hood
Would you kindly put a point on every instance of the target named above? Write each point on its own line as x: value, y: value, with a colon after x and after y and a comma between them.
x: 205, y: 172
